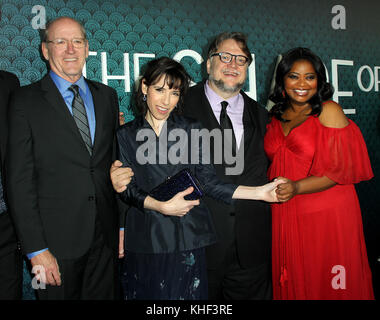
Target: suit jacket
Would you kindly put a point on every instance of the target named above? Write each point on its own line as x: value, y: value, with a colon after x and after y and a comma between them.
x: 56, y: 189
x: 8, y: 83
x: 252, y: 229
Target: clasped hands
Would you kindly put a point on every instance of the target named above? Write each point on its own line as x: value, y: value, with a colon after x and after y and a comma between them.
x: 286, y: 190
x: 281, y: 190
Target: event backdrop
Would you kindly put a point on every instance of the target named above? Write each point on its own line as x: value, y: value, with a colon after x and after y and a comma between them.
x: 124, y: 34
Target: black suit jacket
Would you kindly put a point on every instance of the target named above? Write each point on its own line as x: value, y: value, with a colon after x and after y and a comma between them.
x: 8, y: 83
x: 252, y: 231
x: 55, y: 188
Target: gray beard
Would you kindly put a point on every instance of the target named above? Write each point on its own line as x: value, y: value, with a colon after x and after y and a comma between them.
x: 224, y: 88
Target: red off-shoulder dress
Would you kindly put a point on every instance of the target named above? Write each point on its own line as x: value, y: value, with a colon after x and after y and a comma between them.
x: 318, y: 247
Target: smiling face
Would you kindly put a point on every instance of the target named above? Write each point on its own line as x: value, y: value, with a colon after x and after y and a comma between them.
x: 301, y: 82
x: 161, y: 100
x: 68, y: 61
x: 226, y: 79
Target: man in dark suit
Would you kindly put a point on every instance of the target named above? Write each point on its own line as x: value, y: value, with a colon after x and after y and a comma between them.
x: 60, y: 148
x: 239, y: 264
x: 11, y: 265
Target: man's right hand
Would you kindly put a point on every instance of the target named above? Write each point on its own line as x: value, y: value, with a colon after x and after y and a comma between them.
x: 120, y: 176
x: 50, y: 266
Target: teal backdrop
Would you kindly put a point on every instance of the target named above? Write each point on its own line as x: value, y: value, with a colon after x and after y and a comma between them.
x: 124, y: 34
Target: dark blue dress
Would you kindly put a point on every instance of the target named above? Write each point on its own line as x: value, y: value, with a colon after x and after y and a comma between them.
x: 165, y: 276
x: 165, y: 256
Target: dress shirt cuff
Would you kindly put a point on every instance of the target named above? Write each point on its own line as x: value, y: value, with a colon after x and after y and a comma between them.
x: 33, y: 254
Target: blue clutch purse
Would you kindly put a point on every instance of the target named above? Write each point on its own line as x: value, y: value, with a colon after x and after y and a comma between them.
x: 177, y: 183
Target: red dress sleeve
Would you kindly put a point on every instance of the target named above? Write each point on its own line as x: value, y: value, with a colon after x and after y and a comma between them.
x: 341, y: 154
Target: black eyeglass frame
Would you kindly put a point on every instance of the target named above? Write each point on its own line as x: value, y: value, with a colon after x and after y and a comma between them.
x: 231, y: 57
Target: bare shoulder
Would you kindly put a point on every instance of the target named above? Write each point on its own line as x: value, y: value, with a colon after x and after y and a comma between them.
x: 332, y: 115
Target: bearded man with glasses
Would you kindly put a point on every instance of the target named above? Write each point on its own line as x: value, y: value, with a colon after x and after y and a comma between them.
x: 239, y: 263
x: 61, y: 145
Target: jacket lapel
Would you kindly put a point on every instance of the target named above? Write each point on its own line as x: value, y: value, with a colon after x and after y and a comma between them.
x: 249, y: 117
x: 99, y: 108
x: 209, y: 120
x: 4, y: 102
x: 3, y: 126
x: 56, y: 101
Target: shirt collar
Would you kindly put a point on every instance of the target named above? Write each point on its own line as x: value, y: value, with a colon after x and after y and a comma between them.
x: 63, y: 85
x: 215, y: 99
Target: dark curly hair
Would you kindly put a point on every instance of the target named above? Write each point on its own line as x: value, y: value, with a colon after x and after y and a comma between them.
x: 175, y: 77
x: 324, y: 89
x: 239, y: 37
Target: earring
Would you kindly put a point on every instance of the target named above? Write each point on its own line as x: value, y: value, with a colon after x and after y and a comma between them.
x: 144, y: 97
x: 283, y: 93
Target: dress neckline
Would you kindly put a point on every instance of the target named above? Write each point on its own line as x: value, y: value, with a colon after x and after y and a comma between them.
x: 282, y: 130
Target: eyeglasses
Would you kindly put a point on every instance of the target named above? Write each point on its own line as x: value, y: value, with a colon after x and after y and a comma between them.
x: 227, y: 58
x: 77, y: 43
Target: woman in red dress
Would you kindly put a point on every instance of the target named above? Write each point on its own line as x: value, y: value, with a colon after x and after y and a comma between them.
x: 318, y: 243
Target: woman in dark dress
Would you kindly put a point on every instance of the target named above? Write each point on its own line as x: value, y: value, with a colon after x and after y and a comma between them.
x: 165, y: 240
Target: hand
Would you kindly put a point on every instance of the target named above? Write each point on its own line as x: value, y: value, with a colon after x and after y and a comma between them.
x: 178, y: 206
x: 268, y: 192
x: 120, y: 177
x: 121, y: 244
x: 50, y: 266
x: 121, y: 118
x: 287, y: 190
